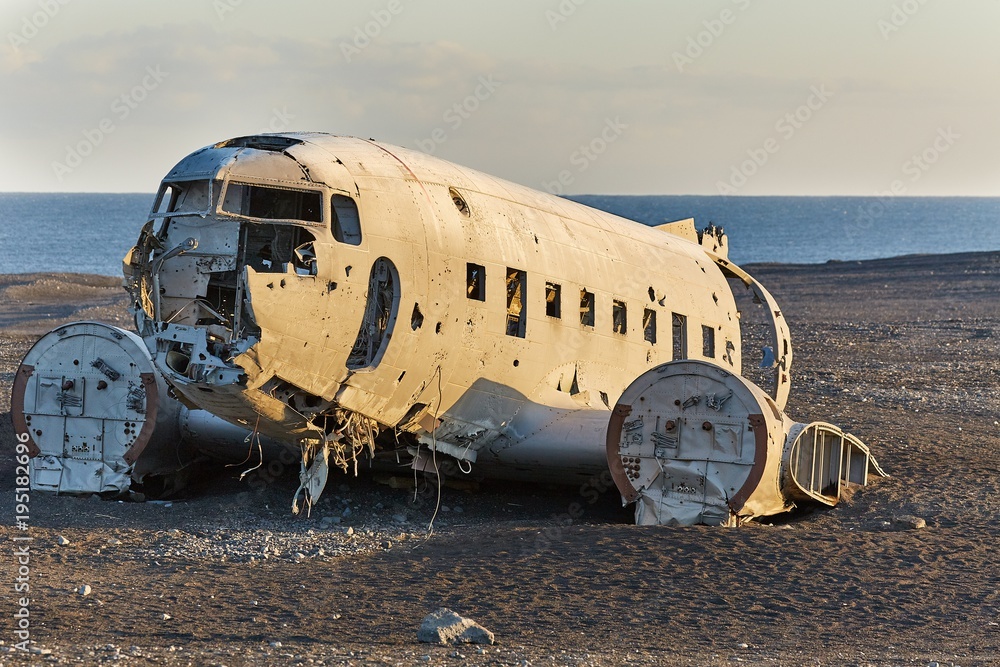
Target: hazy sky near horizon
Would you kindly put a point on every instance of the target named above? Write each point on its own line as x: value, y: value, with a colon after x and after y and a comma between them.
x: 750, y: 97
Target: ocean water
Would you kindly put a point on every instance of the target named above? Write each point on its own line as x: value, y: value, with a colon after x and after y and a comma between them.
x: 90, y: 233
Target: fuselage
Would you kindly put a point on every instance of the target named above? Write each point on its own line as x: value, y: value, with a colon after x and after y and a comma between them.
x: 317, y: 287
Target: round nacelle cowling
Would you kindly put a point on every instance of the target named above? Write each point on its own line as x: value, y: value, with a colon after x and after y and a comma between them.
x: 693, y: 443
x: 90, y: 402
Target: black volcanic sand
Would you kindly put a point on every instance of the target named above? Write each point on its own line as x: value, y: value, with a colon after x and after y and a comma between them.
x: 904, y: 353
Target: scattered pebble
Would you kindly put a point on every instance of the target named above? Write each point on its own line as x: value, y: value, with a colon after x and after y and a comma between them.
x: 83, y: 590
x: 62, y: 541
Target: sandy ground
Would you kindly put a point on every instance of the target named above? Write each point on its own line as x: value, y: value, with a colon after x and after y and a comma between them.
x: 902, y: 353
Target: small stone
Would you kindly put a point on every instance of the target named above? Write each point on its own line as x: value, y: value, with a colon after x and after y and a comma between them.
x: 744, y: 645
x: 83, y: 590
x: 165, y: 617
x: 910, y: 522
x: 349, y: 531
x: 275, y: 644
x: 399, y: 518
x: 114, y: 542
x: 457, y: 510
x: 386, y: 544
x: 446, y: 627
x: 62, y: 541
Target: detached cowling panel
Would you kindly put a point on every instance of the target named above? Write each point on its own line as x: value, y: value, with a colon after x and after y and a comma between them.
x: 690, y: 442
x: 88, y: 397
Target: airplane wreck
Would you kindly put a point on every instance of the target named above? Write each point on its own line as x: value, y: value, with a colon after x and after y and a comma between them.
x: 352, y: 300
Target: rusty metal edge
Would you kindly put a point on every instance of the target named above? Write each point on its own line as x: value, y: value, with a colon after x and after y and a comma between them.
x: 613, y: 444
x: 148, y: 426
x: 756, y: 473
x: 24, y: 373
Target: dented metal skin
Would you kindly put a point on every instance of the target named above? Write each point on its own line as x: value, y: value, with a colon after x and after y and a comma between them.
x: 326, y: 291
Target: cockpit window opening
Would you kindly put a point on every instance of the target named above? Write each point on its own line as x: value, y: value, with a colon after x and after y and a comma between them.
x: 270, y: 203
x: 165, y: 200
x: 181, y: 198
x: 280, y: 249
x: 345, y: 223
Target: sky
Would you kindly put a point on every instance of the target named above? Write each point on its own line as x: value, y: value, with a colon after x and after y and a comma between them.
x: 743, y: 97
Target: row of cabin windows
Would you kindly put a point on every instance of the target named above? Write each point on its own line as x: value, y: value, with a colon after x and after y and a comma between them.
x: 516, y: 285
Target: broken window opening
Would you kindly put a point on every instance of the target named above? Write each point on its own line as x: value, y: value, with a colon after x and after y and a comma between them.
x: 380, y: 316
x: 475, y: 282
x: 586, y: 308
x: 280, y: 249
x: 553, y: 300
x: 516, y: 312
x: 221, y: 298
x: 707, y: 342
x: 345, y: 222
x: 679, y: 336
x: 297, y: 399
x: 181, y: 199
x: 270, y: 203
x: 649, y: 325
x: 619, y: 317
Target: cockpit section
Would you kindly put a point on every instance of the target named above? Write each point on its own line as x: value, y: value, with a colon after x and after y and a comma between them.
x: 238, y: 208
